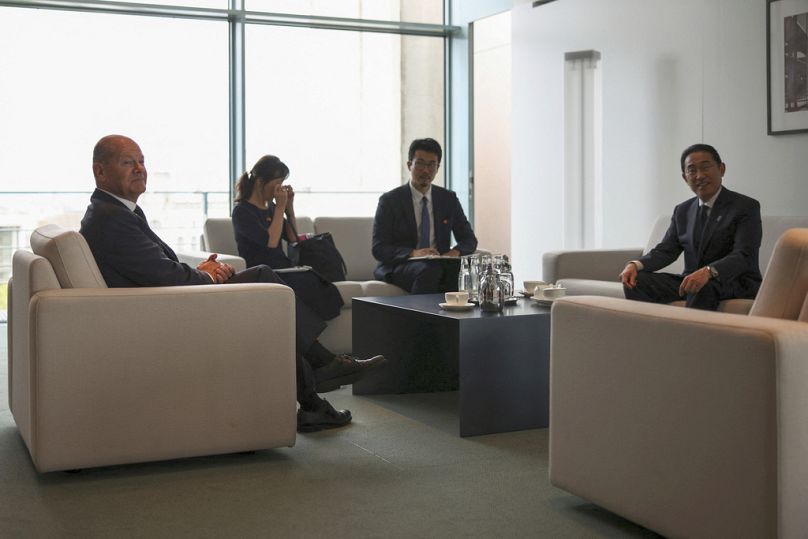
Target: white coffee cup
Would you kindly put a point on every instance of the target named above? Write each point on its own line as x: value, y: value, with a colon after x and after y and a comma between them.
x: 553, y: 292
x: 530, y: 286
x: 457, y: 298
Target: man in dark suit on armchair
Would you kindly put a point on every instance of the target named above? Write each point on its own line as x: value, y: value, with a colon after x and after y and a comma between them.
x: 719, y: 231
x: 414, y: 222
x: 130, y: 254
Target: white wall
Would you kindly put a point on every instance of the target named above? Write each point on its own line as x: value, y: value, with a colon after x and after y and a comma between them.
x: 674, y: 73
x: 492, y: 132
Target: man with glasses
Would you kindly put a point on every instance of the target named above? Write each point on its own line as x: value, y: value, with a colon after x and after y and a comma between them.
x: 413, y: 226
x: 719, y: 231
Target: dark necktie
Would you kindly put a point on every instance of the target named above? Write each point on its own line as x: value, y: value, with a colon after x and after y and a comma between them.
x: 424, y: 241
x: 701, y: 223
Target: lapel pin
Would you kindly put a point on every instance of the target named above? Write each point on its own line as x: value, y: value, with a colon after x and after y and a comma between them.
x: 446, y: 221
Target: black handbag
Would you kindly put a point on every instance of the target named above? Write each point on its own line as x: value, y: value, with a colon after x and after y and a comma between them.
x: 319, y: 252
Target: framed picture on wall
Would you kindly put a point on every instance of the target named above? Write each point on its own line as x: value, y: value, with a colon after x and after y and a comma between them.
x: 787, y: 66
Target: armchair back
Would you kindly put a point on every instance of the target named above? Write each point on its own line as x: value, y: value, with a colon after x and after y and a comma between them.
x: 784, y: 288
x: 219, y: 237
x: 69, y: 255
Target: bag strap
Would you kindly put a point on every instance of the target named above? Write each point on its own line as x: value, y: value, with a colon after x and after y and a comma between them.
x: 341, y: 260
x: 294, y: 229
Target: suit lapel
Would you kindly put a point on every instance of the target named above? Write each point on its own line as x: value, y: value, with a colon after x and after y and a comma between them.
x: 141, y: 217
x: 442, y: 208
x: 144, y: 224
x: 405, y: 199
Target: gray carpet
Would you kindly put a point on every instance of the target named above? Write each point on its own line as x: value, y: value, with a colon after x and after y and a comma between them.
x: 400, y: 470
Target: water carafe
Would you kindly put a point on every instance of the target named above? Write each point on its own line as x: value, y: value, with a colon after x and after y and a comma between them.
x: 465, y: 279
x: 491, y: 297
x: 505, y: 276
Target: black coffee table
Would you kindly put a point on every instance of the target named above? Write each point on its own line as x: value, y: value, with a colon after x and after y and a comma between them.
x: 499, y: 362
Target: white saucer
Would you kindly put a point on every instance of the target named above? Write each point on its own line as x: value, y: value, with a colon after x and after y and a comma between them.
x: 526, y: 294
x: 453, y: 307
x: 543, y: 301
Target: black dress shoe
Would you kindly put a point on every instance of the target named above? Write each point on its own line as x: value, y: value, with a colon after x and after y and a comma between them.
x: 343, y: 370
x: 324, y: 417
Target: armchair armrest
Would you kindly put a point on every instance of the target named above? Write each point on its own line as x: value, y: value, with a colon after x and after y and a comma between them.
x: 137, y: 374
x: 193, y: 258
x: 659, y: 413
x: 597, y: 264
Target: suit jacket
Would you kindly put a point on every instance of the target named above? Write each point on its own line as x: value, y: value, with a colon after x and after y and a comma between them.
x: 730, y: 242
x: 395, y: 233
x: 128, y: 252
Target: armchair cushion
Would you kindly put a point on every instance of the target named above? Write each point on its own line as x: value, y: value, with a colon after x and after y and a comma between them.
x: 352, y: 238
x: 592, y: 287
x: 69, y: 255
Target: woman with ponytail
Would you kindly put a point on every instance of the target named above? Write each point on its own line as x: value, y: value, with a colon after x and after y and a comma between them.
x: 263, y: 216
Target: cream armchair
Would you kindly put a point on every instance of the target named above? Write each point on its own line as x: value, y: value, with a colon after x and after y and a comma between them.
x: 595, y: 271
x: 691, y: 423
x: 101, y: 376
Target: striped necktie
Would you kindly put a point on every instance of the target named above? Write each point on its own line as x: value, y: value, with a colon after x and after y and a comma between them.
x: 424, y: 241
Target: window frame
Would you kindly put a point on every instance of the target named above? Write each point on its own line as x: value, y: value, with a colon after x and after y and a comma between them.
x: 237, y: 17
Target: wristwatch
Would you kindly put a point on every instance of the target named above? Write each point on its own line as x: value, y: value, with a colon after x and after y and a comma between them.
x: 713, y: 272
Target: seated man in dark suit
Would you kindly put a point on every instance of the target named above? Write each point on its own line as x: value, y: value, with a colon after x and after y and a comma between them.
x: 718, y: 230
x: 130, y: 254
x: 416, y: 220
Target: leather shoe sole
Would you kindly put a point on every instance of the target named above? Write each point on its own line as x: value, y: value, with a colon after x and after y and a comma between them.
x: 342, y: 371
x: 324, y: 417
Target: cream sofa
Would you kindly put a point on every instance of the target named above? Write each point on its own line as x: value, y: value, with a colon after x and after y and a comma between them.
x: 352, y: 236
x: 691, y: 423
x: 101, y: 376
x: 595, y: 271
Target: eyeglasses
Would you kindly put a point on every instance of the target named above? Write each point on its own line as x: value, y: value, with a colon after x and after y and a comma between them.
x: 432, y: 165
x: 701, y: 167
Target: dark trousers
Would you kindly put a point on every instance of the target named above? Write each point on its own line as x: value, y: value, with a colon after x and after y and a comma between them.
x: 664, y: 288
x: 307, y: 327
x: 426, y: 276
x: 317, y: 293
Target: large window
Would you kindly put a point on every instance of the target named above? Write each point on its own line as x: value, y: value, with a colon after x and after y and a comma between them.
x: 97, y: 74
x: 339, y: 109
x: 337, y: 103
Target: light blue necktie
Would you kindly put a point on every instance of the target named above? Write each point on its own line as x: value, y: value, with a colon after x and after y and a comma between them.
x: 424, y: 242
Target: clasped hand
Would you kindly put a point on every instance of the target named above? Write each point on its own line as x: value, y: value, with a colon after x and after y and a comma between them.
x: 284, y: 195
x: 426, y: 251
x: 218, y: 271
x: 429, y: 251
